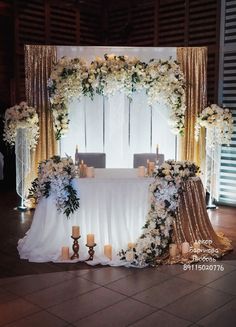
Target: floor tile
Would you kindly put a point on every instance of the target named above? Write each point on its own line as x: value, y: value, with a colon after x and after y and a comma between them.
x: 161, y: 319
x: 6, y: 296
x: 86, y: 304
x: 167, y: 292
x: 224, y: 316
x: 118, y: 315
x: 9, y: 280
x: 198, y: 304
x: 106, y: 275
x: 138, y: 282
x: 80, y: 272
x: 34, y: 283
x: 171, y: 269
x: 40, y: 319
x: 229, y: 262
x: 16, y: 309
x: 206, y: 276
x: 226, y: 283
x: 61, y: 292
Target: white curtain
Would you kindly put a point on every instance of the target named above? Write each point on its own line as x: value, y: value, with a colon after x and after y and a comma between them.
x: 117, y: 126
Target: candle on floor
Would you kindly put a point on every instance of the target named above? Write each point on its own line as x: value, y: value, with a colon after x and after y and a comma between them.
x: 141, y: 171
x: 131, y: 245
x: 108, y: 251
x: 196, y: 247
x: 185, y: 248
x: 65, y: 253
x: 90, y: 239
x: 173, y: 250
x: 76, y: 231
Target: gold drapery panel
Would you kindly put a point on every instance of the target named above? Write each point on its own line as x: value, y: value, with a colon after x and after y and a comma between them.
x: 192, y: 222
x: 38, y: 64
x: 193, y: 62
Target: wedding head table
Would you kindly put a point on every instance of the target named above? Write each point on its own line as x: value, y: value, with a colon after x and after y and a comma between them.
x: 114, y: 207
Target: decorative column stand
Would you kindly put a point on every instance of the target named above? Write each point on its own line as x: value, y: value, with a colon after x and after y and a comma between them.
x: 22, y: 151
x: 91, y: 251
x: 75, y: 248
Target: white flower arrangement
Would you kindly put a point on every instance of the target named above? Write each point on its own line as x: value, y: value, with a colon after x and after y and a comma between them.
x: 165, y: 191
x: 72, y: 77
x: 21, y: 116
x: 55, y: 177
x: 219, y: 124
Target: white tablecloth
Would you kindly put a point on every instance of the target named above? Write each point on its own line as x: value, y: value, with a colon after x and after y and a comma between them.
x: 113, y: 206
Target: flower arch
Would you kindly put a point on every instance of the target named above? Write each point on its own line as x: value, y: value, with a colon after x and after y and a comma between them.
x: 75, y: 78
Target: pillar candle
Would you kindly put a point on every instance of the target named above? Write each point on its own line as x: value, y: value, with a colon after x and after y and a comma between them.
x: 90, y: 172
x: 65, y: 255
x: 141, y: 171
x: 157, y: 149
x: 148, y: 167
x: 196, y: 245
x: 185, y: 248
x: 131, y: 245
x: 173, y: 250
x: 90, y: 239
x: 75, y: 231
x: 151, y: 167
x: 108, y: 251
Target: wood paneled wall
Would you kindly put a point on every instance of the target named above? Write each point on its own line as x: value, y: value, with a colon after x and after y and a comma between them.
x: 103, y: 22
x: 168, y: 23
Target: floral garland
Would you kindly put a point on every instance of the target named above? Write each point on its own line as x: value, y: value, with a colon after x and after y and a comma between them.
x: 21, y: 116
x: 55, y: 178
x: 160, y: 78
x: 165, y: 191
x: 219, y: 124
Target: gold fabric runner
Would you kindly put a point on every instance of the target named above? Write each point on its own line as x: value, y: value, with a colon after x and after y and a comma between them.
x: 193, y: 224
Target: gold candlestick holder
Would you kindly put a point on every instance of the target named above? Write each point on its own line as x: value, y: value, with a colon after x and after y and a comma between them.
x: 75, y: 248
x: 91, y: 251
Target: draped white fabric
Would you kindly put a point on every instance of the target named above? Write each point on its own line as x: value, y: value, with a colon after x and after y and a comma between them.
x: 114, y: 125
x: 113, y: 206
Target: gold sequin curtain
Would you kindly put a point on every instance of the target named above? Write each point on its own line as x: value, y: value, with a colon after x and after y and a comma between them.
x: 38, y: 65
x: 193, y: 62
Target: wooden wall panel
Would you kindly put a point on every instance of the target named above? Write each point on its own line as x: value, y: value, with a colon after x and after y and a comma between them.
x: 168, y: 23
x: 53, y: 22
x: 171, y: 23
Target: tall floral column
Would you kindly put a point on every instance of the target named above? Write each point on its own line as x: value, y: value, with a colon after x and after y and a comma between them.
x: 21, y: 129
x: 218, y: 123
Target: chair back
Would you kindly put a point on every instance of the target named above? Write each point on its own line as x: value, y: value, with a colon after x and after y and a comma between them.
x: 140, y: 159
x: 92, y: 159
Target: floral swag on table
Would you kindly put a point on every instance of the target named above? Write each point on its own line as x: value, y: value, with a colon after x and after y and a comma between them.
x: 162, y: 79
x: 219, y: 124
x: 165, y: 191
x: 55, y: 177
x: 21, y: 116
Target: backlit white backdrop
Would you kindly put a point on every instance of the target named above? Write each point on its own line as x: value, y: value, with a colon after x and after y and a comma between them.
x: 113, y: 125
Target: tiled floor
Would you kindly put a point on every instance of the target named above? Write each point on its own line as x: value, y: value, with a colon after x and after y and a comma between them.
x: 166, y: 296
x: 60, y: 295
